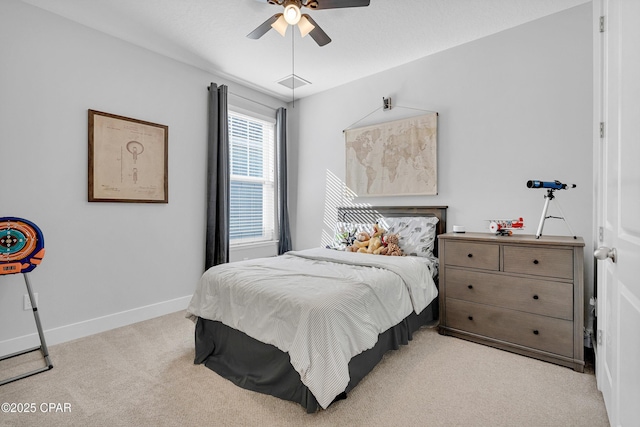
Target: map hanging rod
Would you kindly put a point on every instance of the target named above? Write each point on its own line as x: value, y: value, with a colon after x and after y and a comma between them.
x: 386, y: 105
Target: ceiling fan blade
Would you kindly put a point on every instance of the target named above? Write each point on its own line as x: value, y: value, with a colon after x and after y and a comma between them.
x: 317, y: 33
x: 264, y: 27
x: 276, y: 2
x: 335, y: 4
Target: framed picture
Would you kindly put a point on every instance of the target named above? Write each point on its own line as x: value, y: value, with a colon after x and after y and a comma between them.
x: 128, y: 160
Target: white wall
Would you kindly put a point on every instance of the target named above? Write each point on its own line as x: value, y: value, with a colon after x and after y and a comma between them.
x: 107, y: 264
x: 512, y: 107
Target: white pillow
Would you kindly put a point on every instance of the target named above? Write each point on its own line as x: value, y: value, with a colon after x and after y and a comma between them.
x: 416, y: 235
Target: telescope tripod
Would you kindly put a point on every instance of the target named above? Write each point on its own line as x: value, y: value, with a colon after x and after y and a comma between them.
x: 547, y: 199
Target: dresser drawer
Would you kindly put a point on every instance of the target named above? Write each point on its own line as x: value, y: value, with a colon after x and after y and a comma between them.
x: 536, y: 296
x: 473, y: 255
x: 550, y: 262
x: 529, y: 330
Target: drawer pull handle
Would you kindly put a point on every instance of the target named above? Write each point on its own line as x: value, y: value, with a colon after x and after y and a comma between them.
x: 470, y: 317
x: 535, y: 332
x: 470, y: 286
x: 535, y: 261
x: 470, y: 255
x: 535, y: 297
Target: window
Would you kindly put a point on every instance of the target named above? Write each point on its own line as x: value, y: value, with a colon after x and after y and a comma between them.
x: 251, y: 152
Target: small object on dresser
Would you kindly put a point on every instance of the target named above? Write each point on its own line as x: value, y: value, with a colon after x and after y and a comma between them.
x: 551, y: 187
x: 458, y: 229
x: 504, y: 227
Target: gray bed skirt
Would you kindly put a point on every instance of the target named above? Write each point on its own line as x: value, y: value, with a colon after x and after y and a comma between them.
x: 261, y: 367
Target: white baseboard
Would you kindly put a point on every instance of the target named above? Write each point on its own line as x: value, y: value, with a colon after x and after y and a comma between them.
x: 93, y: 326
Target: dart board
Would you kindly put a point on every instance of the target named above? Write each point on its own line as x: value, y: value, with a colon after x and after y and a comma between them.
x: 21, y: 245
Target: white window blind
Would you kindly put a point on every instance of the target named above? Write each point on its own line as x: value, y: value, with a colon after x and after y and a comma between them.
x: 251, y: 152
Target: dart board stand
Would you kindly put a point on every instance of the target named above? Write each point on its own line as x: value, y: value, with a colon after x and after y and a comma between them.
x: 22, y: 250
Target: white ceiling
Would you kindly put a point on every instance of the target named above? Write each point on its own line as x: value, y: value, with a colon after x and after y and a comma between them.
x: 211, y: 34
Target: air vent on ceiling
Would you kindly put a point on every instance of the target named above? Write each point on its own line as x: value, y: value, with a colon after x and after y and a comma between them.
x: 293, y: 82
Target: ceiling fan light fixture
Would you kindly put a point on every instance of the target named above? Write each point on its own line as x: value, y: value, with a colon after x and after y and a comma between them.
x: 280, y: 25
x: 292, y: 14
x: 305, y: 26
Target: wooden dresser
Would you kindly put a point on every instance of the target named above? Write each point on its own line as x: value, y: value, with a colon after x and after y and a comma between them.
x: 516, y: 293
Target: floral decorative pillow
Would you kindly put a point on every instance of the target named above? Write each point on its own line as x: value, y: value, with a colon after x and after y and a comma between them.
x: 417, y: 235
x: 345, y: 233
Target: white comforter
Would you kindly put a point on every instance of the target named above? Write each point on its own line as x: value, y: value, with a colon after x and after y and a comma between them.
x: 319, y: 305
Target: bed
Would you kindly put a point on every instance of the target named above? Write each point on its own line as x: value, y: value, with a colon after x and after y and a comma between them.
x: 308, y: 325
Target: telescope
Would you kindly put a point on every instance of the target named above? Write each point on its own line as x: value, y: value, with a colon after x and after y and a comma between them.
x: 554, y: 185
x: 551, y: 186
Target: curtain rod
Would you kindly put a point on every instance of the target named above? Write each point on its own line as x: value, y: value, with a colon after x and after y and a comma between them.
x: 396, y: 106
x: 254, y: 101
x: 248, y: 99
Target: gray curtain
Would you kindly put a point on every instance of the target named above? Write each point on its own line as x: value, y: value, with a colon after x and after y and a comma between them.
x: 217, y: 249
x: 284, y: 244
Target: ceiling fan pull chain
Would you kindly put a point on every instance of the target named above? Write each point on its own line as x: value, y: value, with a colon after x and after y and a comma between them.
x: 293, y: 70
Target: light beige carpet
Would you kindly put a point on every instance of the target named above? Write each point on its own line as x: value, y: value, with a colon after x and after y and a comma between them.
x: 143, y: 375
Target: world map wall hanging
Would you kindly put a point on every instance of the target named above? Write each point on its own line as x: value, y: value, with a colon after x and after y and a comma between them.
x: 396, y: 158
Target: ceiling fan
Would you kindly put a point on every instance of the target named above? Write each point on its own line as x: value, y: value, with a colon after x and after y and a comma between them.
x: 292, y: 16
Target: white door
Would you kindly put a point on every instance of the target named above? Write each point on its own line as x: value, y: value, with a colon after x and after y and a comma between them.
x: 617, y: 97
